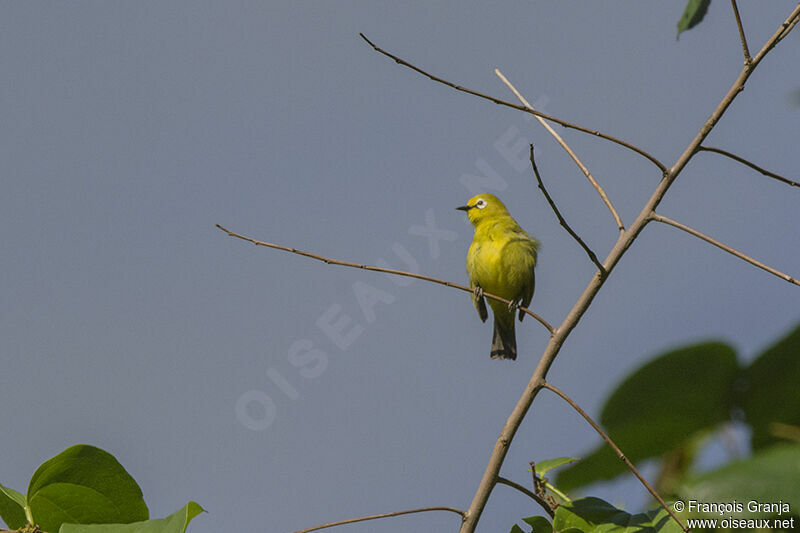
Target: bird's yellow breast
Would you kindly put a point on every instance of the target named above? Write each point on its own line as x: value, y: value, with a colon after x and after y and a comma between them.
x: 501, y: 259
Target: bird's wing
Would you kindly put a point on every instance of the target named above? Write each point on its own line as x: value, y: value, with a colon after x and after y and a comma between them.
x: 480, y: 304
x: 526, y: 299
x: 477, y: 301
x: 527, y: 294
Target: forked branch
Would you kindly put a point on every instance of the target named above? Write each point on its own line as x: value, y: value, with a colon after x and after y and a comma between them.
x: 616, y: 449
x: 721, y: 246
x: 539, y: 376
x: 563, y: 222
x: 499, y: 101
x: 569, y: 151
x: 786, y: 27
x: 329, y: 261
x: 559, y: 335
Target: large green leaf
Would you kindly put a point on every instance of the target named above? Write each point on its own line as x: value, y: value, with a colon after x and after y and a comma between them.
x: 597, y: 516
x: 692, y: 15
x: 174, y: 523
x: 12, y: 508
x: 660, y: 407
x: 769, y: 475
x: 772, y: 391
x: 671, y: 396
x: 84, y: 485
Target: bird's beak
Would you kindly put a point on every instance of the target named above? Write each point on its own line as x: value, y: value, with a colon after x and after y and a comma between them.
x: 465, y: 207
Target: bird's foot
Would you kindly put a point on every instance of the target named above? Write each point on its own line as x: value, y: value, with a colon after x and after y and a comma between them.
x: 478, y: 292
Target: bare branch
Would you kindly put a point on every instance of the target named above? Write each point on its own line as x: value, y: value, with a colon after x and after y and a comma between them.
x: 616, y: 449
x: 392, y: 271
x: 787, y: 27
x: 749, y: 164
x: 385, y: 515
x: 740, y: 255
x: 512, y: 424
x: 745, y: 50
x: 737, y: 87
x: 566, y: 147
x: 542, y: 503
x: 498, y: 101
x: 563, y: 222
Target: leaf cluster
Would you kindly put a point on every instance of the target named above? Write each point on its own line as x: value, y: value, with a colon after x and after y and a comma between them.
x: 86, y: 490
x: 668, y: 411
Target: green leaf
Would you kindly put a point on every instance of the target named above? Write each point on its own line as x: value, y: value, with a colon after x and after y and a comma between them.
x: 542, y: 467
x: 660, y: 407
x: 772, y: 393
x: 596, y: 515
x: 12, y: 508
x: 692, y: 15
x: 174, y: 523
x: 539, y: 524
x: 769, y: 475
x: 84, y: 485
x: 678, y: 393
x: 516, y: 529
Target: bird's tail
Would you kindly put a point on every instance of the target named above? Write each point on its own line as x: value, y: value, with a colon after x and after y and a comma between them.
x: 504, y: 342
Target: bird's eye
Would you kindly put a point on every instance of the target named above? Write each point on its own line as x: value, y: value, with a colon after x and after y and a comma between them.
x: 480, y: 204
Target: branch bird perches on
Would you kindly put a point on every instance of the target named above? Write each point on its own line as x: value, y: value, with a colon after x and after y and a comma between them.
x: 558, y: 335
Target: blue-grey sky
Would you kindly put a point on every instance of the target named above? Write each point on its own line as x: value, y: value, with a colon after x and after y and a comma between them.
x: 130, y: 322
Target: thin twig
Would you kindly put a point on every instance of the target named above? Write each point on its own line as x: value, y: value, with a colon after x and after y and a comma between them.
x: 542, y: 503
x: 571, y: 153
x: 517, y: 415
x: 330, y: 261
x: 384, y: 515
x: 740, y: 255
x: 749, y: 164
x: 616, y: 449
x: 498, y: 101
x: 745, y: 50
x: 563, y: 222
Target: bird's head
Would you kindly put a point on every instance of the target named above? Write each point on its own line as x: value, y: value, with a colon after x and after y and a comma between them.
x: 484, y: 207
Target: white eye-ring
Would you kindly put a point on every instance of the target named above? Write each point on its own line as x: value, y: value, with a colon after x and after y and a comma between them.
x: 481, y: 203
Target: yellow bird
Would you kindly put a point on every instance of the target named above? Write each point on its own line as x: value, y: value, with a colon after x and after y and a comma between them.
x: 500, y: 261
